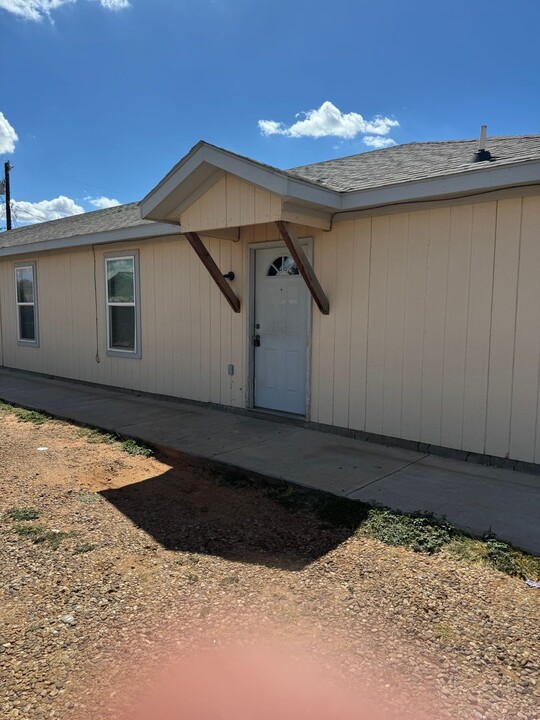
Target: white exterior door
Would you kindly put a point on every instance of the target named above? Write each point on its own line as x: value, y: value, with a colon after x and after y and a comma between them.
x: 280, y: 332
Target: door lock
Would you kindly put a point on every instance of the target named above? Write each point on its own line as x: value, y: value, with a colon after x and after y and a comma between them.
x: 256, y: 341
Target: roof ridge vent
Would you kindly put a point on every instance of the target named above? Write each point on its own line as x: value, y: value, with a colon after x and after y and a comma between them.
x: 481, y: 155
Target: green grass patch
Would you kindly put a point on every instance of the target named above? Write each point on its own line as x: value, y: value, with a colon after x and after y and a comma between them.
x: 31, y: 416
x: 420, y: 533
x: 96, y: 436
x: 507, y: 559
x: 39, y: 535
x: 89, y: 498
x: 22, y: 513
x: 496, y: 554
x: 132, y: 447
x: 82, y: 548
x: 467, y: 549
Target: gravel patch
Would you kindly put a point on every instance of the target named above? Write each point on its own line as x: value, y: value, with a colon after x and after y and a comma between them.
x: 110, y: 562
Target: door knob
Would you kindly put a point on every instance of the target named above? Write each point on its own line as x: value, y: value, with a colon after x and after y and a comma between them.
x: 257, y: 341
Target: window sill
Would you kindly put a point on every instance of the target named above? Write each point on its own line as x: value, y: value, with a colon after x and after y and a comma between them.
x: 124, y: 354
x: 28, y: 343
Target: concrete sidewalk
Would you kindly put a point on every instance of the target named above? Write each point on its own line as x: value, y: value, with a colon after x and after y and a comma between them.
x: 477, y: 499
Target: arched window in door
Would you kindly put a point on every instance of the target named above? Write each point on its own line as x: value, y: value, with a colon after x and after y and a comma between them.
x: 282, y: 265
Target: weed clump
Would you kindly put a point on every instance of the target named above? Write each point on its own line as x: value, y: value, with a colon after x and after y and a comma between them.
x: 82, y: 548
x: 31, y: 416
x: 420, y: 533
x: 22, y: 513
x: 96, y: 436
x: 132, y: 447
x: 39, y: 535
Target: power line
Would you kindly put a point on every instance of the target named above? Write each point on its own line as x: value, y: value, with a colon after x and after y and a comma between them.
x: 87, y: 184
x: 22, y: 211
x: 29, y: 212
x: 14, y: 207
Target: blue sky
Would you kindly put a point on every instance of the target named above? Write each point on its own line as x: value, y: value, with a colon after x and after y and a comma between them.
x: 106, y: 95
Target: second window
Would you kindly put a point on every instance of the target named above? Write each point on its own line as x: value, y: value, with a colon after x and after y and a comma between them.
x: 121, y: 276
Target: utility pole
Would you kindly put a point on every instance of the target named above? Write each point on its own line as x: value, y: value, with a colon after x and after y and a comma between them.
x: 7, y: 168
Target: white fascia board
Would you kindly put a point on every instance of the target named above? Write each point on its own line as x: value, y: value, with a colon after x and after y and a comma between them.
x: 166, y: 193
x: 205, y: 160
x: 272, y: 179
x: 466, y: 183
x: 139, y: 232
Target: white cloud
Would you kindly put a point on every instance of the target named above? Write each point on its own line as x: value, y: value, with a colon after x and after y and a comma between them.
x: 8, y: 136
x: 377, y: 142
x: 32, y: 9
x: 329, y: 121
x: 34, y: 212
x: 103, y: 202
x: 39, y: 9
x: 271, y: 127
x: 115, y: 4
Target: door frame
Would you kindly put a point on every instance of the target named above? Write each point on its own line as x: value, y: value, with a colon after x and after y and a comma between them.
x: 307, y: 243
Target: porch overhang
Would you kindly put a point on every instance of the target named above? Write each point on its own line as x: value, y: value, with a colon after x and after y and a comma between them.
x: 206, y: 165
x: 212, y: 192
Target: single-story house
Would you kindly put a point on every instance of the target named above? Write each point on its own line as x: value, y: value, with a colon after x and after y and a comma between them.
x: 393, y: 295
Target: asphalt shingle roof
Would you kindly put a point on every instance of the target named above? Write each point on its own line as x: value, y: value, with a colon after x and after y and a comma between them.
x: 115, y: 218
x: 378, y: 168
x: 416, y: 161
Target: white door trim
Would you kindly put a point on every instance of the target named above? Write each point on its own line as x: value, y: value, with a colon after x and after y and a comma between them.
x: 307, y: 242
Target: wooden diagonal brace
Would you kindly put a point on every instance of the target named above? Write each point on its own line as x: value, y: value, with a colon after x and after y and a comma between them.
x: 304, y: 266
x: 216, y: 274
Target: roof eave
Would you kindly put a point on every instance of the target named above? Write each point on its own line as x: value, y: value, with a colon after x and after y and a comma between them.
x: 469, y: 182
x: 138, y: 232
x: 205, y: 160
x: 205, y: 163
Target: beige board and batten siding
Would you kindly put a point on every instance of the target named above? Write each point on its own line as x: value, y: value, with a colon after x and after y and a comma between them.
x: 433, y: 333
x: 189, y: 334
x: 231, y: 202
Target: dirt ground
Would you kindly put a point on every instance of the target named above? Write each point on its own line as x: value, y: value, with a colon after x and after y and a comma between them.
x: 135, y: 559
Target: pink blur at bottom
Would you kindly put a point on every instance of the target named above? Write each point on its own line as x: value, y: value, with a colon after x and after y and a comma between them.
x: 240, y: 684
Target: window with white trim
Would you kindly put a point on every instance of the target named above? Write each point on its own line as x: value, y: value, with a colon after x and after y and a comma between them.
x: 122, y: 289
x: 26, y: 299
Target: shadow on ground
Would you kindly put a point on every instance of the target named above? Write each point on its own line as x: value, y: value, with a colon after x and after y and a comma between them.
x: 245, y: 520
